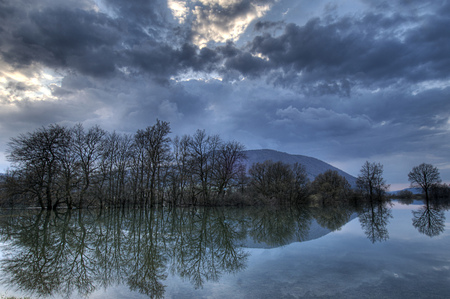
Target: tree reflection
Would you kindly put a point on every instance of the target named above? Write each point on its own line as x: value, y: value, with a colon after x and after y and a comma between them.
x: 207, y: 246
x: 429, y: 219
x: 51, y: 253
x: 333, y: 217
x: 374, y: 219
x: 145, y: 255
x: 274, y: 226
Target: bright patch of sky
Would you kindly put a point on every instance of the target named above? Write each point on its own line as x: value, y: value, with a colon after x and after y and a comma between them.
x: 33, y: 83
x: 180, y: 9
x: 430, y: 84
x: 200, y: 76
x: 216, y: 21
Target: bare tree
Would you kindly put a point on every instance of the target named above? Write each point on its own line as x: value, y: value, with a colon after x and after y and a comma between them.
x: 115, y: 162
x: 259, y: 179
x: 158, y: 153
x: 89, y: 149
x: 229, y: 162
x: 180, y: 174
x: 152, y: 149
x: 301, y: 181
x: 424, y: 176
x: 330, y: 186
x: 70, y: 172
x: 370, y: 180
x: 203, y: 149
x: 278, y: 180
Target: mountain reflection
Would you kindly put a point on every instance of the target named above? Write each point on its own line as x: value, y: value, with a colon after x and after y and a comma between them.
x: 68, y: 252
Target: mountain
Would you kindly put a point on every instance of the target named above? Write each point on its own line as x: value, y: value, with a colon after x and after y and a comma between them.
x: 313, y: 166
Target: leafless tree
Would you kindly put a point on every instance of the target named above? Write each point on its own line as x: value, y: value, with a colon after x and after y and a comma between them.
x: 330, y: 186
x: 278, y: 180
x: 370, y: 181
x: 88, y: 146
x: 180, y: 174
x: 114, y: 165
x: 152, y: 150
x: 424, y: 176
x: 202, y: 151
x: 38, y: 157
x: 229, y: 159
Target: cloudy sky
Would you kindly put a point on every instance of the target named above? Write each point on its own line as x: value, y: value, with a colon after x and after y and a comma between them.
x: 343, y: 81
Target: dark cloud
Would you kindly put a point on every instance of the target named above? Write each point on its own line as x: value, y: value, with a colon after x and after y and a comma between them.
x: 337, y: 86
x: 266, y: 25
x: 144, y: 12
x: 132, y: 36
x: 228, y: 50
x: 373, y: 51
x: 95, y: 43
x: 324, y: 56
x: 62, y: 38
x: 247, y: 64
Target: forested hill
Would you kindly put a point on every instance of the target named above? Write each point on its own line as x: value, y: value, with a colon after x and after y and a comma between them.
x: 313, y: 166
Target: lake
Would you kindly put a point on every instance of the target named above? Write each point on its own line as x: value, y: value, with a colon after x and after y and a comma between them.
x: 378, y: 250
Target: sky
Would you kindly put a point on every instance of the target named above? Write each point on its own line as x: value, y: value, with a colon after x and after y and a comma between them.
x: 343, y: 81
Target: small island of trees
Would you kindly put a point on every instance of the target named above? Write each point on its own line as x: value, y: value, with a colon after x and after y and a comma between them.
x: 74, y: 167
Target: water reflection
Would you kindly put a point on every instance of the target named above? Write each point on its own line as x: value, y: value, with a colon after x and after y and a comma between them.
x: 374, y: 218
x: 430, y: 218
x: 279, y: 225
x: 333, y: 217
x: 48, y: 253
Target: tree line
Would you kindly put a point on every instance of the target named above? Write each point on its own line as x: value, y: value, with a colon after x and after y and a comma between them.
x: 74, y: 167
x: 78, y: 167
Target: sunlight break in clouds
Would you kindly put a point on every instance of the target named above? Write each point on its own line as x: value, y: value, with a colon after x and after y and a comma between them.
x: 217, y: 20
x: 179, y: 9
x: 32, y: 83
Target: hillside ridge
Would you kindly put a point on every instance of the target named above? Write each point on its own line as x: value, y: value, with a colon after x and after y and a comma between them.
x: 313, y: 166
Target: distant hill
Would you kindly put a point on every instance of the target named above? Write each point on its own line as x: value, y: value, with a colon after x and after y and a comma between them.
x: 313, y: 166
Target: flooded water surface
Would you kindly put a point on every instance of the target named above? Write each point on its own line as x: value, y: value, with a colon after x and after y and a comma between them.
x: 379, y: 250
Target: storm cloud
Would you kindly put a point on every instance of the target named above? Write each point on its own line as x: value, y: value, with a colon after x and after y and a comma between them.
x: 343, y: 83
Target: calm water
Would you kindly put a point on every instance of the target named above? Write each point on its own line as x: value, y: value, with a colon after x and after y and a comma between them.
x: 377, y: 251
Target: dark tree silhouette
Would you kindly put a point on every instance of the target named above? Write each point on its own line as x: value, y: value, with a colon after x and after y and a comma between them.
x: 424, y: 176
x: 330, y: 186
x: 37, y: 156
x: 370, y: 181
x: 77, y: 167
x: 279, y: 181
